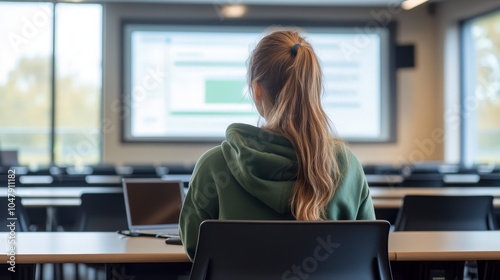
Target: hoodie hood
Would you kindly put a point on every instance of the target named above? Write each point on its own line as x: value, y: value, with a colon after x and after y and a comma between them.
x: 263, y: 163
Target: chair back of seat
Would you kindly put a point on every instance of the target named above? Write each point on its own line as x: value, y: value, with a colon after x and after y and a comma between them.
x: 102, y: 212
x: 423, y: 180
x: 489, y: 180
x: 265, y: 250
x: 446, y: 213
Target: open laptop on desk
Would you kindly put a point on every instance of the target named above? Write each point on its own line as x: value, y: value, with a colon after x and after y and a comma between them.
x: 153, y: 205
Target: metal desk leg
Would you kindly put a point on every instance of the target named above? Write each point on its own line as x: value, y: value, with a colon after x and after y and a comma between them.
x: 51, y: 222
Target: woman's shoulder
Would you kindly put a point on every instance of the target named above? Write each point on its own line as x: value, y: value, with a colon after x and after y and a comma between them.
x: 208, y: 164
x: 349, y: 165
x: 345, y: 156
x: 209, y: 158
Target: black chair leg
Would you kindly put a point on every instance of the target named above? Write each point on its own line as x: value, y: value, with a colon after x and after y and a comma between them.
x: 77, y: 271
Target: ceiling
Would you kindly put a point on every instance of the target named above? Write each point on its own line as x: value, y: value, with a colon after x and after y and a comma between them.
x: 277, y: 2
x: 365, y: 3
x: 338, y: 3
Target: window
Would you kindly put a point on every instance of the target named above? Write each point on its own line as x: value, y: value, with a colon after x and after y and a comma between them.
x: 481, y: 89
x: 50, y: 108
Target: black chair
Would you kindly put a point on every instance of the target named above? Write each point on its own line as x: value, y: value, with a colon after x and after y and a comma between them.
x: 423, y: 180
x: 101, y: 212
x: 383, y: 169
x: 445, y: 213
x: 489, y: 180
x: 103, y: 169
x: 4, y: 170
x: 69, y: 180
x: 383, y: 175
x: 292, y: 249
x: 141, y: 171
x: 173, y: 168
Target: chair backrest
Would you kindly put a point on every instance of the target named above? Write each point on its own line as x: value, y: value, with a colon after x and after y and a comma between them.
x: 65, y: 180
x: 13, y: 205
x: 101, y: 212
x: 488, y: 180
x: 292, y: 250
x: 173, y: 168
x: 103, y: 169
x: 445, y: 213
x: 423, y: 180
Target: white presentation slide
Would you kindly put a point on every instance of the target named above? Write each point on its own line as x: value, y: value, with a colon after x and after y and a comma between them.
x: 190, y: 83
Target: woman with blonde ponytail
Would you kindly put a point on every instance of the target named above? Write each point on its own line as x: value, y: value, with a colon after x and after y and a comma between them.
x: 290, y: 168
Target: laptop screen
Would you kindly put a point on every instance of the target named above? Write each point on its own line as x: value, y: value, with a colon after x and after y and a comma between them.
x: 152, y: 203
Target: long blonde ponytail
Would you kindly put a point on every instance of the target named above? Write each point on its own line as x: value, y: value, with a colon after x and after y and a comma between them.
x: 286, y: 67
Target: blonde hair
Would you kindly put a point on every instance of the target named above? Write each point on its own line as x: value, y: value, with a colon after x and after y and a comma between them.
x: 286, y: 67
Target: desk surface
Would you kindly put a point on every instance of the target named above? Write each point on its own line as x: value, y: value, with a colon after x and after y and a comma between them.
x: 398, y: 202
x: 62, y: 192
x: 400, y: 192
x: 445, y: 246
x: 376, y: 192
x: 89, y: 247
x: 109, y: 247
x: 387, y: 197
x: 383, y: 197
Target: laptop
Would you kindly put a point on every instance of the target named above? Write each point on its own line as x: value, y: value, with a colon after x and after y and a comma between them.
x: 153, y: 205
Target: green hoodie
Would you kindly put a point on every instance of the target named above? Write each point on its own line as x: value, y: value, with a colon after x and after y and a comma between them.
x: 251, y: 176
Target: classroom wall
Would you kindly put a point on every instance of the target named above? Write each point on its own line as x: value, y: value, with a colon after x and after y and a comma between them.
x: 419, y: 102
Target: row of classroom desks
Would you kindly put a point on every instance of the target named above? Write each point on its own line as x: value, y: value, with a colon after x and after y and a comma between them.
x: 150, y: 257
x: 110, y: 247
x: 383, y: 197
x: 392, y: 197
x: 125, y: 254
x: 374, y: 180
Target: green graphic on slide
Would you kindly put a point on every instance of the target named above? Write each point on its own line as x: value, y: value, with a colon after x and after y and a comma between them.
x: 225, y: 92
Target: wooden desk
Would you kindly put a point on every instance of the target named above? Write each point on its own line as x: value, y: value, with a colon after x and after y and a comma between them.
x: 400, y: 192
x: 181, y: 177
x: 445, y: 246
x: 52, y: 197
x: 110, y: 247
x: 386, y: 179
x: 381, y: 195
x: 386, y: 197
x: 397, y: 203
x: 62, y: 192
x: 143, y: 255
x: 90, y: 247
x: 441, y: 255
